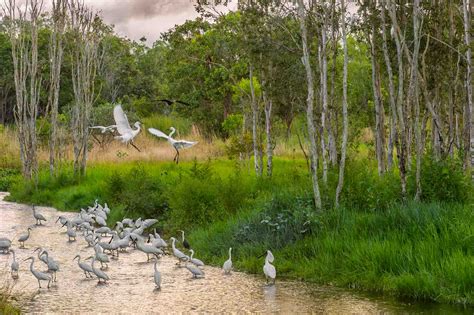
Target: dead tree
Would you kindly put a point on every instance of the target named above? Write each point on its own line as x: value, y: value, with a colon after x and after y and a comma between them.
x: 56, y: 51
x: 87, y: 32
x: 22, y: 26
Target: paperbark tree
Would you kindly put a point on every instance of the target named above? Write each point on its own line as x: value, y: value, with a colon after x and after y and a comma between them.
x: 467, y: 41
x: 309, y: 104
x: 56, y: 51
x: 345, y: 117
x: 257, y: 155
x: 22, y: 27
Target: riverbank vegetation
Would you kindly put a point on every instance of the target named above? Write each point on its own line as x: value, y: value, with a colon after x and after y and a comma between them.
x: 324, y: 133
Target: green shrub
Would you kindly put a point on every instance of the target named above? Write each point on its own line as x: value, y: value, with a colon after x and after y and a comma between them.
x: 7, y: 177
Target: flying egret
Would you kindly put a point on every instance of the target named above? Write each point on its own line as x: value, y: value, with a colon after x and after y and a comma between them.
x: 197, y: 273
x: 14, y: 266
x: 176, y: 144
x: 127, y: 134
x: 195, y: 261
x: 38, y: 216
x: 184, y: 241
x: 38, y: 274
x: 228, y: 263
x: 157, y: 277
x: 268, y: 269
x: 85, y: 267
x: 23, y: 238
x: 99, y: 273
x: 177, y: 253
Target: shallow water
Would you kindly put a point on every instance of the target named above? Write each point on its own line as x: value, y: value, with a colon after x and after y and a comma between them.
x: 132, y: 290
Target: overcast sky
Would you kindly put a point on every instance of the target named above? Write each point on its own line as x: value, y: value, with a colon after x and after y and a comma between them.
x: 149, y: 18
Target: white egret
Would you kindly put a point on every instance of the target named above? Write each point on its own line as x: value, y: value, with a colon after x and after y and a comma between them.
x: 101, y: 257
x: 99, y: 273
x: 127, y: 134
x: 23, y: 238
x: 5, y: 244
x: 14, y: 266
x: 71, y: 234
x: 177, y: 253
x: 268, y: 269
x: 38, y: 216
x: 157, y: 277
x: 38, y: 274
x: 62, y: 220
x: 147, y: 249
x: 228, y: 263
x: 176, y: 144
x: 197, y: 273
x: 53, y: 266
x: 195, y: 261
x: 85, y: 267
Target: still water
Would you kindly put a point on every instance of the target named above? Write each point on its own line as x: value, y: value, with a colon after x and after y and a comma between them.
x: 132, y: 290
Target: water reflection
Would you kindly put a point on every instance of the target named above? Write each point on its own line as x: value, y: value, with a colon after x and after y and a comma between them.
x: 132, y: 289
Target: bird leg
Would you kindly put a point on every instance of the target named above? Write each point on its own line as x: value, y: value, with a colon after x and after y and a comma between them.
x: 39, y: 283
x: 96, y: 139
x: 133, y: 145
x: 176, y: 157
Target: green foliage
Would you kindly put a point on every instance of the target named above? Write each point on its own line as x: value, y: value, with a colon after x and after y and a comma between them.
x: 239, y: 145
x: 7, y: 177
x: 183, y: 126
x: 232, y: 125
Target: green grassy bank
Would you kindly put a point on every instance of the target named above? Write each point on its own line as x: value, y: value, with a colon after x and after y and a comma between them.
x: 374, y: 241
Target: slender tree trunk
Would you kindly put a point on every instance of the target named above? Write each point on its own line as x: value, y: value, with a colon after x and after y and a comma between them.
x: 255, y: 137
x: 324, y: 98
x: 268, y: 131
x: 467, y: 41
x: 310, y: 105
x: 401, y: 111
x: 55, y: 57
x: 345, y: 118
x: 379, y: 111
x: 391, y: 89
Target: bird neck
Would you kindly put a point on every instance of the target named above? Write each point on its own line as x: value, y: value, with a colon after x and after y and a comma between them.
x: 172, y: 132
x: 230, y: 253
x: 14, y: 257
x: 155, y: 266
x: 31, y: 265
x: 182, y: 235
x: 192, y: 254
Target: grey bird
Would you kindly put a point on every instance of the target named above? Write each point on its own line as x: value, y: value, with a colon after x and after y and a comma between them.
x: 23, y: 238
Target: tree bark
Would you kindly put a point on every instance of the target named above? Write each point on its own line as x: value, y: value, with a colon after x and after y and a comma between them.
x: 255, y: 138
x: 467, y: 41
x: 345, y: 118
x: 324, y: 96
x: 310, y: 105
x: 55, y: 56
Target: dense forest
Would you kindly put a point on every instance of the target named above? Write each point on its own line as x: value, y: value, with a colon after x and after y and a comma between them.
x: 331, y: 105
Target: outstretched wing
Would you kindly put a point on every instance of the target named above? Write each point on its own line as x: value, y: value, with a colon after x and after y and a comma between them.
x: 123, y: 126
x: 183, y: 144
x: 157, y: 133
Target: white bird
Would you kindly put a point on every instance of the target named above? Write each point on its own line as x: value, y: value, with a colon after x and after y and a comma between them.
x: 176, y: 144
x: 5, y: 244
x: 71, y: 234
x: 195, y: 261
x: 148, y: 249
x: 177, y: 253
x: 85, y: 267
x: 14, y: 266
x: 53, y: 266
x: 38, y: 274
x: 157, y: 277
x: 23, y: 238
x: 104, y: 129
x: 127, y: 134
x: 228, y: 263
x: 99, y: 273
x: 38, y: 216
x: 195, y: 271
x: 268, y: 269
x: 63, y: 220
x: 100, y: 220
x: 101, y: 257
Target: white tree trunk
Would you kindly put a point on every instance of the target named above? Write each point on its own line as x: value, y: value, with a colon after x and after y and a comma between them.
x: 255, y: 138
x: 324, y: 97
x: 467, y: 41
x: 345, y: 118
x: 310, y: 106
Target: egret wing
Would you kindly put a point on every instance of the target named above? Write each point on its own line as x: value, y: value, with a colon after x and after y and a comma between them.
x: 157, y: 133
x: 184, y: 144
x: 271, y: 271
x: 121, y: 121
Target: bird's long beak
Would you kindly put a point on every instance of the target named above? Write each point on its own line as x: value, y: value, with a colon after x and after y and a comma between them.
x: 262, y: 255
x: 57, y: 220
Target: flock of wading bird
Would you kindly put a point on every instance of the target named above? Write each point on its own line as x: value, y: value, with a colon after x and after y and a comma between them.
x: 91, y: 225
x: 126, y: 134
